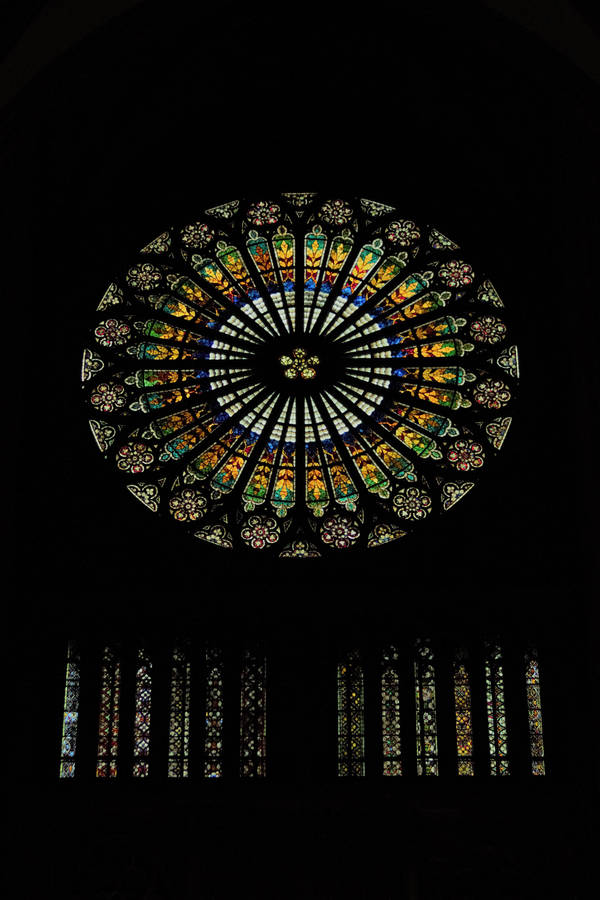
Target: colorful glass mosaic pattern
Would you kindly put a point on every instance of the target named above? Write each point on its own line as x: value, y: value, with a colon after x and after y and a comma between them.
x: 213, y: 733
x: 68, y: 744
x: 462, y: 706
x: 396, y: 396
x: 425, y: 704
x: 179, y: 714
x: 253, y: 715
x: 143, y: 709
x: 351, y: 715
x: 108, y: 722
x: 390, y: 712
x: 534, y: 711
x: 496, y: 711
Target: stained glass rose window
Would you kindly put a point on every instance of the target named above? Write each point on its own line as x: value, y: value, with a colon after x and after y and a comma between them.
x: 300, y: 375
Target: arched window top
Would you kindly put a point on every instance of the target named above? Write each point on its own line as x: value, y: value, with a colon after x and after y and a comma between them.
x: 299, y: 374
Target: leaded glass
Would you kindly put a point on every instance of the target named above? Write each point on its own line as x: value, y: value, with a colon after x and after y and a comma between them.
x: 462, y: 706
x: 253, y: 715
x: 108, y: 722
x: 496, y: 711
x: 143, y: 708
x: 179, y: 714
x: 300, y: 371
x: 390, y: 712
x: 534, y: 710
x: 351, y: 726
x: 425, y: 703
x: 68, y: 744
x: 213, y: 733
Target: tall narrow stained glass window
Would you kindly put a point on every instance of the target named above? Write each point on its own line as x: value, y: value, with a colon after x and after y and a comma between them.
x: 425, y: 702
x: 496, y: 710
x: 351, y: 725
x: 108, y: 723
x: 462, y: 705
x: 534, y: 712
x: 300, y: 374
x: 253, y: 715
x: 213, y: 733
x: 143, y: 708
x: 68, y: 743
x: 390, y: 712
x: 179, y: 714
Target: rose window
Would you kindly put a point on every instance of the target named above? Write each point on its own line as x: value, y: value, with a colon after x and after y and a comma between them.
x: 300, y: 375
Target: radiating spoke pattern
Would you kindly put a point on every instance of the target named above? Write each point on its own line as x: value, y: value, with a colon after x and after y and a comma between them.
x: 300, y: 374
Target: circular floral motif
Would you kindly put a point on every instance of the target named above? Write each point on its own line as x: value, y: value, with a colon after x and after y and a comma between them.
x: 144, y: 277
x: 404, y: 232
x: 108, y: 396
x: 456, y: 273
x: 197, y: 235
x: 245, y: 436
x: 299, y: 364
x: 336, y: 212
x: 134, y: 457
x: 339, y: 532
x: 187, y: 506
x: 466, y: 455
x: 412, y: 503
x: 488, y: 330
x: 492, y: 393
x: 263, y: 213
x: 112, y: 332
x: 260, y: 531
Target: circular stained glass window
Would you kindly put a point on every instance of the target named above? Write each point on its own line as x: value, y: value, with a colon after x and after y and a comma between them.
x: 300, y: 374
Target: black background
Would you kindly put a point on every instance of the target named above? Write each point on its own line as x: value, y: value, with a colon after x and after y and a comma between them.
x: 459, y: 118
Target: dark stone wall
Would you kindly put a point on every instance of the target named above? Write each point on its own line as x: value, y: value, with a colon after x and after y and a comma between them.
x: 461, y: 119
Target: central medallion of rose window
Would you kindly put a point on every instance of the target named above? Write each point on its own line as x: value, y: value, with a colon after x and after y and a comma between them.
x: 299, y: 365
x: 300, y: 374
